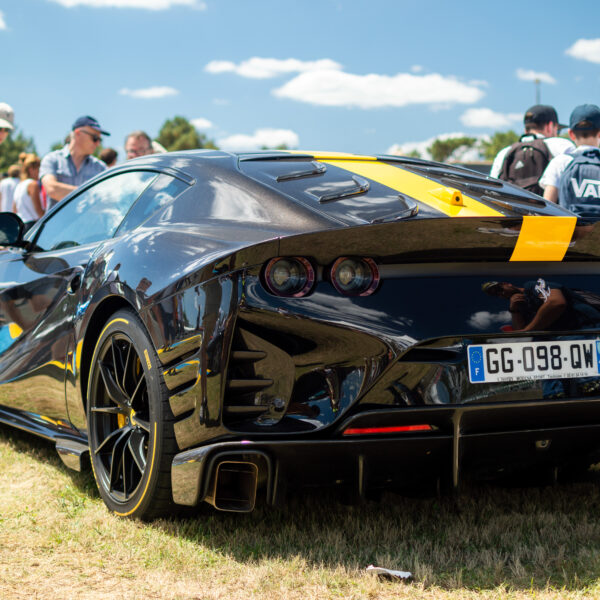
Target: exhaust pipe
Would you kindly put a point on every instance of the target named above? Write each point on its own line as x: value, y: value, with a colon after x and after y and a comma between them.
x: 234, y: 484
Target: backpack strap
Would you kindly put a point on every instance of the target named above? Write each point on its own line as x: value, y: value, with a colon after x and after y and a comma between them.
x: 593, y: 154
x: 588, y: 157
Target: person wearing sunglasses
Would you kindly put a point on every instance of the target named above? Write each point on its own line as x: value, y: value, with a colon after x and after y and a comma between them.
x: 7, y: 118
x: 64, y: 170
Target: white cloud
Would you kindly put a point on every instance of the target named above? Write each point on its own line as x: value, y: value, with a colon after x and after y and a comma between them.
x: 219, y: 66
x: 157, y: 91
x: 486, y: 117
x: 267, y: 138
x: 462, y: 154
x: 265, y: 68
x: 585, y: 50
x: 144, y: 4
x: 529, y: 75
x: 416, y: 68
x: 479, y: 82
x: 484, y: 319
x: 201, y: 123
x: 336, y: 88
x: 2, y: 22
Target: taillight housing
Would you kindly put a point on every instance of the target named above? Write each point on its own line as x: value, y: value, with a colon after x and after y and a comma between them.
x: 354, y: 276
x: 292, y: 277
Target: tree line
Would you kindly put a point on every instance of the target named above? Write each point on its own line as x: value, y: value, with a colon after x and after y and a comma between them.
x: 179, y: 134
x: 442, y: 149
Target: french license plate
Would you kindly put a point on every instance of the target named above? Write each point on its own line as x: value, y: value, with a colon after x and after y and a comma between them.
x: 521, y: 361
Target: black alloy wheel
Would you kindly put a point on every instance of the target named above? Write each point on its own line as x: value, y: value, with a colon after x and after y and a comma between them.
x: 129, y: 421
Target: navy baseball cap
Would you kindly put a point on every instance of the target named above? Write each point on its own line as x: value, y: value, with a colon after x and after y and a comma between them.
x: 585, y: 116
x: 540, y: 114
x: 88, y: 121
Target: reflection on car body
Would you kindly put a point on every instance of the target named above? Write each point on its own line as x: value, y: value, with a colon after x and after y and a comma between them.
x: 219, y: 327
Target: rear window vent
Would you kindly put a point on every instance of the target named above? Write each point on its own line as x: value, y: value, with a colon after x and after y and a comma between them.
x: 340, y: 190
x: 330, y: 189
x: 313, y: 169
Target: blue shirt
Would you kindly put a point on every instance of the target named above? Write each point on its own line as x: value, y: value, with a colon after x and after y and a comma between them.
x: 60, y: 164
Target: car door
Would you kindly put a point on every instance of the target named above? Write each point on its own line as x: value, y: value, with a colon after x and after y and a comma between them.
x: 39, y: 291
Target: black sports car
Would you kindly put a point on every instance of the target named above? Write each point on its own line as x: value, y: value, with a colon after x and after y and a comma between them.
x: 206, y: 325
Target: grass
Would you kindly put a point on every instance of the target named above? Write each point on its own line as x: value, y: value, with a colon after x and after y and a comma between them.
x: 57, y: 540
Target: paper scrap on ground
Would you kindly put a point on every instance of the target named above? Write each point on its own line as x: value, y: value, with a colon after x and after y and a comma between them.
x: 389, y: 573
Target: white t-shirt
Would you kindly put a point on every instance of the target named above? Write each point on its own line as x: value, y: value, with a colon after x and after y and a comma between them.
x: 7, y: 191
x: 556, y: 146
x: 24, y: 203
x: 556, y: 167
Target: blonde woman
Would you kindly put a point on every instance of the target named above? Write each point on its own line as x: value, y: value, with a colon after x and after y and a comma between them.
x: 27, y: 202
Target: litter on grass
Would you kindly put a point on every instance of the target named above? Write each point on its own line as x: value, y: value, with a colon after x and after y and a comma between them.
x: 389, y: 573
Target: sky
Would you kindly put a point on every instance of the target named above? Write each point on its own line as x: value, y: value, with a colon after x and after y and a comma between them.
x: 362, y: 76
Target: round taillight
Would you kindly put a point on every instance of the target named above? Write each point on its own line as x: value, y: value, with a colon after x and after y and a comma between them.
x: 293, y: 277
x: 355, y: 276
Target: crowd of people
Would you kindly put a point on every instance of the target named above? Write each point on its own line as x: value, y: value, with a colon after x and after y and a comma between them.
x: 563, y: 170
x: 34, y: 185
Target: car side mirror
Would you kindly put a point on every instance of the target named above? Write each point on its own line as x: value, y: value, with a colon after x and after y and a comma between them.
x: 11, y: 229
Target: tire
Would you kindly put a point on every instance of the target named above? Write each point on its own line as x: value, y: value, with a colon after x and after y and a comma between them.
x: 130, y: 424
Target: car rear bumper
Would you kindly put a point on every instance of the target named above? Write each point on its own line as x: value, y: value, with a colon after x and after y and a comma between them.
x: 486, y: 440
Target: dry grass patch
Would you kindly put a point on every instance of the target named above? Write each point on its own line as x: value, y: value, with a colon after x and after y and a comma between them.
x: 58, y: 540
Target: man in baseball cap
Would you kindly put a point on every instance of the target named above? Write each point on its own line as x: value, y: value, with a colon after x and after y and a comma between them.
x: 573, y: 179
x: 542, y: 116
x: 64, y: 170
x: 7, y: 119
x: 540, y: 122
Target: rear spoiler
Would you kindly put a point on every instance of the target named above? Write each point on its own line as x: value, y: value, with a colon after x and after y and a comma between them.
x: 472, y: 239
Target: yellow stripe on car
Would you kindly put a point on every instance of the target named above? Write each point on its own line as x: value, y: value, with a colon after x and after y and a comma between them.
x: 420, y: 188
x: 544, y: 238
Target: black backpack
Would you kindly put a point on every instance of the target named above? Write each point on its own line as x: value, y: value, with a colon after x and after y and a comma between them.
x: 525, y: 162
x: 579, y: 186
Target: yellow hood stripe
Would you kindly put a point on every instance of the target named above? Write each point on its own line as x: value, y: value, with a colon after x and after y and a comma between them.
x: 418, y: 187
x: 541, y: 238
x: 544, y: 238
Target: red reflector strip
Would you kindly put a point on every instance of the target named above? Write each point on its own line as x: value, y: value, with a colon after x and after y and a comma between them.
x: 397, y: 429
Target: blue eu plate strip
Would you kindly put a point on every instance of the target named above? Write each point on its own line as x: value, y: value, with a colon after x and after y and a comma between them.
x: 476, y: 363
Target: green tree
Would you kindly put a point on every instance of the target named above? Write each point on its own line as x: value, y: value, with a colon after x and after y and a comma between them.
x: 441, y: 150
x: 12, y: 147
x: 179, y: 134
x: 499, y: 140
x: 279, y: 147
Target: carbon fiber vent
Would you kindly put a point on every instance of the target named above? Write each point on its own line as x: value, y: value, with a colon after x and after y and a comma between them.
x: 259, y: 382
x: 242, y: 392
